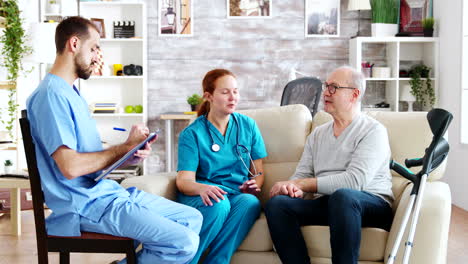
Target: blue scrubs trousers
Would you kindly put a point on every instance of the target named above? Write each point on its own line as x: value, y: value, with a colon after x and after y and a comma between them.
x: 225, y: 224
x: 167, y: 230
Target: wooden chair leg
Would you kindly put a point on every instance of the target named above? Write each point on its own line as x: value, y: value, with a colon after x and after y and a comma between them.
x: 131, y: 256
x: 42, y: 257
x: 64, y: 257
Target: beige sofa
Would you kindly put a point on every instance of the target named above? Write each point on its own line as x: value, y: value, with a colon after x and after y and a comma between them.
x: 284, y: 130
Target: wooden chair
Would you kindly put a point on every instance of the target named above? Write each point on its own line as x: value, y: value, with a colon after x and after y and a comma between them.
x: 87, y: 242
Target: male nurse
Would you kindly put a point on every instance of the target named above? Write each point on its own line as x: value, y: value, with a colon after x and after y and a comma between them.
x: 70, y: 156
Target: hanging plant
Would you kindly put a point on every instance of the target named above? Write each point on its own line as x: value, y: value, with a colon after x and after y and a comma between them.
x: 14, y: 49
x: 424, y: 94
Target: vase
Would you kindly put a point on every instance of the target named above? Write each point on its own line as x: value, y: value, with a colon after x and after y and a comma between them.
x: 428, y: 32
x: 194, y: 107
x: 384, y: 30
x: 8, y: 169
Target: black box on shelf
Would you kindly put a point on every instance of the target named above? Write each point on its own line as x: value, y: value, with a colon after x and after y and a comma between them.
x: 124, y: 29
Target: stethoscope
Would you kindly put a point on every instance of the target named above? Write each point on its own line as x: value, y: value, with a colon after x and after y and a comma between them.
x: 215, y: 147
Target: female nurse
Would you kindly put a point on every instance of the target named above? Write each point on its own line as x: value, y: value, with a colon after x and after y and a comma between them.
x: 220, y: 168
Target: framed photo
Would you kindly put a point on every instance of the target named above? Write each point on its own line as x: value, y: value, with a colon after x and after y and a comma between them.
x: 99, y: 22
x: 240, y: 9
x: 411, y: 14
x: 322, y: 18
x: 175, y: 18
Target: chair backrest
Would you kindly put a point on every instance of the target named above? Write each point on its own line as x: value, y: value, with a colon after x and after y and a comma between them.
x: 304, y: 91
x: 35, y: 181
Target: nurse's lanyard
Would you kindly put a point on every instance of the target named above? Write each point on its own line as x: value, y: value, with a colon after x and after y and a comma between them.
x: 215, y: 147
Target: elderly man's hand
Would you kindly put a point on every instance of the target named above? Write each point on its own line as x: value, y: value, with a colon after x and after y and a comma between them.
x: 286, y: 188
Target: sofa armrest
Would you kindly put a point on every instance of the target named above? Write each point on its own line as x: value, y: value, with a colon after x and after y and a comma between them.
x: 161, y: 184
x: 431, y: 236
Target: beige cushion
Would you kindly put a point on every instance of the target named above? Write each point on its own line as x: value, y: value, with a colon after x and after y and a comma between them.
x: 258, y: 238
x: 284, y: 130
x: 372, y: 243
x: 162, y: 184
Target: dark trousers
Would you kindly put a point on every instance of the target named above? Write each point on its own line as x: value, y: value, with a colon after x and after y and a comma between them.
x: 346, y: 211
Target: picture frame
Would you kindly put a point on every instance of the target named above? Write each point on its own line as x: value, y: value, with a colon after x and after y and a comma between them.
x: 99, y: 22
x: 322, y: 18
x: 249, y: 9
x: 411, y: 14
x: 175, y: 18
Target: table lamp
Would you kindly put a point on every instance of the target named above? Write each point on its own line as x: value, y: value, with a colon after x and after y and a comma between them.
x: 405, y: 95
x: 359, y: 5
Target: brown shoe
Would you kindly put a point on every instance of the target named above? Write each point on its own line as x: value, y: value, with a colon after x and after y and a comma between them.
x: 115, y: 262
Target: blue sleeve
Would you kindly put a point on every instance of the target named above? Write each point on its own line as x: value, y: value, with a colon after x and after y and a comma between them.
x: 189, y: 156
x: 52, y: 118
x: 258, y: 146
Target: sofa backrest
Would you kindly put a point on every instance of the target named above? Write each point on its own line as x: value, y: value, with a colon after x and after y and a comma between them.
x: 285, y: 130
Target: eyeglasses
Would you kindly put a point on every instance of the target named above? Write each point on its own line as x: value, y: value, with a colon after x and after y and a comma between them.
x: 332, y: 87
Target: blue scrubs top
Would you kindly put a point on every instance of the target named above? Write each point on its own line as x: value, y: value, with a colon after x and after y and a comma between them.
x: 59, y: 116
x: 223, y: 168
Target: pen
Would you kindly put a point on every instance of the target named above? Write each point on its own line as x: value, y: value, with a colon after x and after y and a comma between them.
x: 120, y: 129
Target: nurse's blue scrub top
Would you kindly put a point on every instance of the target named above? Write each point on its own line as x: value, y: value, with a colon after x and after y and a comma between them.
x: 223, y: 168
x: 59, y: 116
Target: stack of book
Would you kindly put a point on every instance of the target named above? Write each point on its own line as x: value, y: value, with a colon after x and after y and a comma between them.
x: 101, y: 108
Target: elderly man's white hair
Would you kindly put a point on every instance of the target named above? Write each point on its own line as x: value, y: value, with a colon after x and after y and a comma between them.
x: 357, y: 80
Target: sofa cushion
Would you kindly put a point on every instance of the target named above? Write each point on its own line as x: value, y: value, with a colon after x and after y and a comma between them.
x: 373, y: 242
x: 284, y: 130
x: 258, y: 238
x: 318, y: 241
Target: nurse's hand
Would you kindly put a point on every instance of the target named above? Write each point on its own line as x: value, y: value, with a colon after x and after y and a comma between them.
x: 208, y: 192
x: 250, y: 186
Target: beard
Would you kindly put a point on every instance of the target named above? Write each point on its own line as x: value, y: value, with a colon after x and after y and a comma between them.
x: 81, y: 69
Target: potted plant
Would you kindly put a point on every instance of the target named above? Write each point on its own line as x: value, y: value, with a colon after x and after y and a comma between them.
x: 384, y: 18
x: 8, y: 166
x: 425, y: 94
x: 14, y: 49
x: 428, y: 26
x: 194, y: 101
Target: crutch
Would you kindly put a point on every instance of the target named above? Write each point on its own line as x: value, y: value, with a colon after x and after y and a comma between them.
x: 435, y: 154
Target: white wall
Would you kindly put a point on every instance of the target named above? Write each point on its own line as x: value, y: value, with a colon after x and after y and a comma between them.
x: 448, y: 15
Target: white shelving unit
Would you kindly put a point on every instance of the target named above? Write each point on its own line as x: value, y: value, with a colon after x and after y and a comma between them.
x: 398, y: 51
x: 123, y: 90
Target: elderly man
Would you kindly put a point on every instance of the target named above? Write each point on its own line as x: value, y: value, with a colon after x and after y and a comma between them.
x: 345, y: 166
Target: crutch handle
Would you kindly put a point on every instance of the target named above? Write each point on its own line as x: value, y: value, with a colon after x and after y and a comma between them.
x: 413, y: 162
x: 402, y: 170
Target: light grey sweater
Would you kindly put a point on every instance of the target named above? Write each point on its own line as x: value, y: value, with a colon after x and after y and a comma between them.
x: 358, y: 159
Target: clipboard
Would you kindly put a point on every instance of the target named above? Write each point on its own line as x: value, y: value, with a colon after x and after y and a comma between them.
x: 128, y: 155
